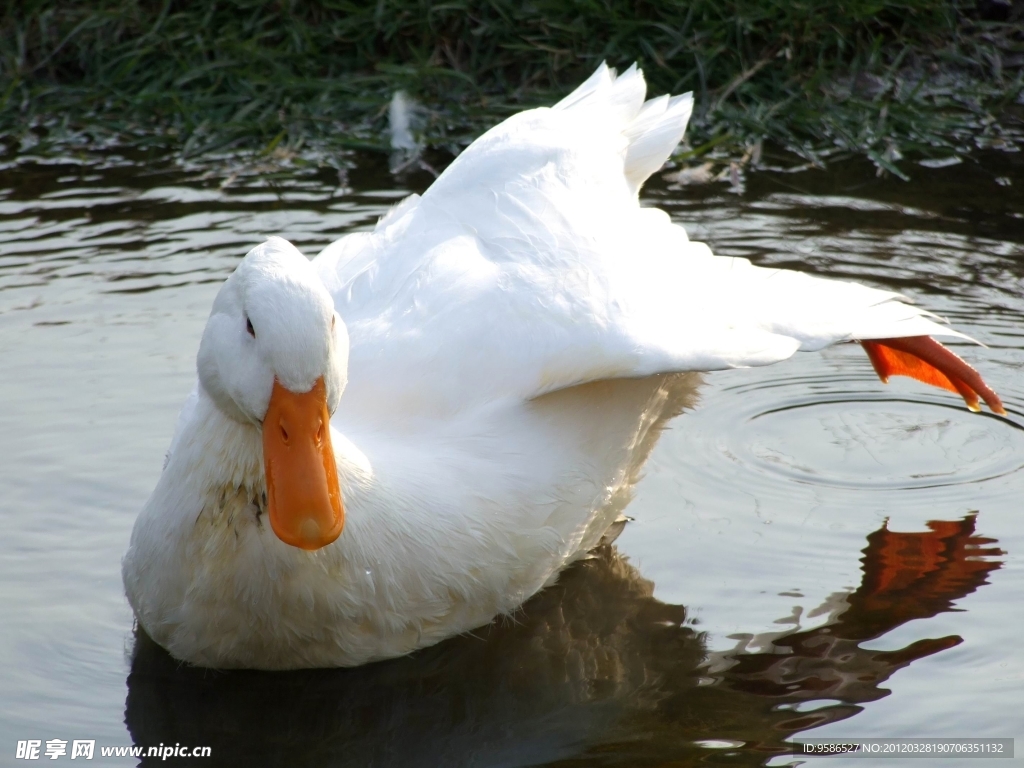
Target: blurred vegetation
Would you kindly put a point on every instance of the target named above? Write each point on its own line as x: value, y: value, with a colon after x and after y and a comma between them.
x: 877, y: 77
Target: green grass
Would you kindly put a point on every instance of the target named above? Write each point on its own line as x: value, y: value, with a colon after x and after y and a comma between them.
x: 882, y: 78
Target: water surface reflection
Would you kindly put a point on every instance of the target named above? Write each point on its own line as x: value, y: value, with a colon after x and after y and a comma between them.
x: 593, y: 668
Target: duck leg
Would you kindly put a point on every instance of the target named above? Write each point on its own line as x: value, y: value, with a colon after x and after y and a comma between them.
x: 925, y: 359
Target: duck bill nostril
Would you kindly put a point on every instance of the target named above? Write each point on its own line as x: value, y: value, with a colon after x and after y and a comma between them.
x: 304, y: 501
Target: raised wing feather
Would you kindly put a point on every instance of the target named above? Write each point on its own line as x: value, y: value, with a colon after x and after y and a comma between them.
x: 530, y: 266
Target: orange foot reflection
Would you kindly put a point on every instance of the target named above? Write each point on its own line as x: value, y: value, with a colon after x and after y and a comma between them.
x: 917, y: 575
x: 906, y: 576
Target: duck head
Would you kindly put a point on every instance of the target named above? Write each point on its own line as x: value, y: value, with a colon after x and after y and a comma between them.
x: 274, y: 354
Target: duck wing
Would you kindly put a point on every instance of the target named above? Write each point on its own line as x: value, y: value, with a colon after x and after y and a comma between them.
x: 530, y: 266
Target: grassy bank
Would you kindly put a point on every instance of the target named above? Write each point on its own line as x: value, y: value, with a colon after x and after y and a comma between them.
x: 878, y: 77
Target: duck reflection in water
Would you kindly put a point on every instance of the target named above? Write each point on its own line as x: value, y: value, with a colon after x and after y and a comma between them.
x: 592, y: 669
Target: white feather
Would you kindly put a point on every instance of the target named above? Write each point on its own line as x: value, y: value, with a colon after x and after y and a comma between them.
x: 400, y: 122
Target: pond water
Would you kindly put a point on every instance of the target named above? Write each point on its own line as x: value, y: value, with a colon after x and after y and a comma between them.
x: 811, y: 553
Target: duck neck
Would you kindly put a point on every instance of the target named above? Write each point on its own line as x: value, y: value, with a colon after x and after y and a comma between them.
x: 214, y: 453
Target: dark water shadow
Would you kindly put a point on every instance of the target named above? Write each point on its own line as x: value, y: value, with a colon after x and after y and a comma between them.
x: 592, y: 671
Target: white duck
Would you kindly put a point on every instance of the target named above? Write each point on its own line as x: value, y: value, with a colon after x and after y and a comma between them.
x: 528, y: 268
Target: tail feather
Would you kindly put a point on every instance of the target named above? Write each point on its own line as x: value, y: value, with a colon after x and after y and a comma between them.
x: 618, y: 98
x: 652, y: 128
x: 654, y: 134
x: 626, y: 95
x: 601, y: 78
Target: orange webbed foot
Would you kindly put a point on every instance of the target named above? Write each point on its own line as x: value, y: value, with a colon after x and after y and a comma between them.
x: 925, y: 359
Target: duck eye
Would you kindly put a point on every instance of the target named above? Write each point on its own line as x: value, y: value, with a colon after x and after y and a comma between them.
x: 249, y: 328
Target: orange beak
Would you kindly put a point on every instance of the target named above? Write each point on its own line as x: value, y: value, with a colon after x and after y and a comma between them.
x: 303, y: 495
